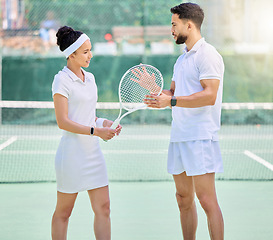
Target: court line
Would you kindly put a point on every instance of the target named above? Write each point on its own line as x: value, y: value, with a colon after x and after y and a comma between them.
x: 8, y: 142
x: 134, y: 151
x: 258, y: 159
x: 143, y: 137
x: 15, y: 152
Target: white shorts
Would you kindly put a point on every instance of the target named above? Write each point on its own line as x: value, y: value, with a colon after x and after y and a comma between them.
x: 194, y: 157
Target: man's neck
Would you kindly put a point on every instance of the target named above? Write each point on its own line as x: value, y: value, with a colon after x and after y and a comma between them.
x: 192, y: 40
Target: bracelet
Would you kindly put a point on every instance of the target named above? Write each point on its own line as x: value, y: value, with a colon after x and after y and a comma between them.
x: 92, y: 131
x: 99, y: 122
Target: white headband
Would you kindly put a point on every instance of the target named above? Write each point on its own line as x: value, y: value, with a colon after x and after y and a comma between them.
x: 75, y: 45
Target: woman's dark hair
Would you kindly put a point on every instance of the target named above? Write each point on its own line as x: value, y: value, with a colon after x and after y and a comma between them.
x: 66, y: 36
x: 190, y: 11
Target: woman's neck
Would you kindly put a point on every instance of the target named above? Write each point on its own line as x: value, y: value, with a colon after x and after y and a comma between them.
x: 76, y: 70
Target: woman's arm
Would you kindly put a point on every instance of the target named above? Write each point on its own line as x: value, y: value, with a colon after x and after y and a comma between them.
x: 61, y: 112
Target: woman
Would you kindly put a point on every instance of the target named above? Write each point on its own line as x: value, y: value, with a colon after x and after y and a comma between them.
x: 79, y: 163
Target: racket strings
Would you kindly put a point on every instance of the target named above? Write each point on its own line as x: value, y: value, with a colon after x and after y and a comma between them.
x: 137, y: 83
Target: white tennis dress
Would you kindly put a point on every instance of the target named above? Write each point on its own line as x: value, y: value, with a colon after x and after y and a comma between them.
x: 79, y: 162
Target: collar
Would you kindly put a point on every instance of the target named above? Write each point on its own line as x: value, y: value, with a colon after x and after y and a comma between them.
x: 196, y: 46
x: 73, y: 76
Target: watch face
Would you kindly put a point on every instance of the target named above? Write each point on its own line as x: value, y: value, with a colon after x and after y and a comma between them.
x: 173, y: 101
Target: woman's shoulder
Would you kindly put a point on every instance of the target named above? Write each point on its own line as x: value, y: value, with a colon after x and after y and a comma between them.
x: 62, y: 84
x: 61, y: 76
x: 61, y: 80
x: 89, y: 74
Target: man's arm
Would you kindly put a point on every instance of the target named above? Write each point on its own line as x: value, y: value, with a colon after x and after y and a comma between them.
x: 171, y: 91
x: 206, y: 97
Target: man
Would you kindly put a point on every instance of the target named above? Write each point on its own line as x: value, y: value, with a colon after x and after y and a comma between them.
x: 195, y: 96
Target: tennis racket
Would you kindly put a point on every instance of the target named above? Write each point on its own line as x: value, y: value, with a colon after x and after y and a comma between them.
x: 135, y: 84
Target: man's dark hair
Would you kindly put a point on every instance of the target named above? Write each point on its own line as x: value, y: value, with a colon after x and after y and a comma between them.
x: 190, y: 11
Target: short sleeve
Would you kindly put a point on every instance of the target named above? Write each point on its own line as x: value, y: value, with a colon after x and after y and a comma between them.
x: 174, y: 73
x: 175, y: 68
x: 210, y: 65
x: 60, y: 85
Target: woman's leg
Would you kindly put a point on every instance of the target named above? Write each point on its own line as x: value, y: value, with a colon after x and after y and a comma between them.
x: 65, y: 204
x: 100, y: 202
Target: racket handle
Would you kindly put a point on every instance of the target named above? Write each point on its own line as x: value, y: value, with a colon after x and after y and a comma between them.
x: 115, y: 123
x: 114, y: 126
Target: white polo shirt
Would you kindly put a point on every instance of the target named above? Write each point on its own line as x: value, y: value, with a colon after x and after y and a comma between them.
x: 82, y: 96
x: 201, y: 62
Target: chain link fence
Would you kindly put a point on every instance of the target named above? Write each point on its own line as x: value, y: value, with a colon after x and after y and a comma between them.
x: 126, y: 32
x: 131, y: 27
x: 115, y: 27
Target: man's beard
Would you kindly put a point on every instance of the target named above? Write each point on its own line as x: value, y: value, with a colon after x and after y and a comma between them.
x: 181, y: 39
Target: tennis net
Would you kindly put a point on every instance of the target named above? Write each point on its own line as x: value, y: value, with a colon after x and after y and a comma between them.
x: 29, y: 139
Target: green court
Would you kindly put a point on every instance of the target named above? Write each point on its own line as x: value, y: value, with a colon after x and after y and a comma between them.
x: 142, y: 193
x: 139, y: 210
x: 125, y: 33
x: 138, y: 154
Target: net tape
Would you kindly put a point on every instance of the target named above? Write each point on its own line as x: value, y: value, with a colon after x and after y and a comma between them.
x: 115, y: 105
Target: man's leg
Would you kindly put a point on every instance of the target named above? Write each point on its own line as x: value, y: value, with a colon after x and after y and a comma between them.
x: 185, y: 199
x: 205, y: 192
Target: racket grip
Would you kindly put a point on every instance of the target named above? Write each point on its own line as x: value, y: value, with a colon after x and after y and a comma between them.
x: 115, y: 124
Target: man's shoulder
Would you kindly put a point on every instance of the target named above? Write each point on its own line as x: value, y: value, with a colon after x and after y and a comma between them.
x: 180, y: 58
x: 207, y: 49
x: 207, y: 52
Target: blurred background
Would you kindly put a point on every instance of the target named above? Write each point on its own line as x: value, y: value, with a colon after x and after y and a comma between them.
x: 125, y: 33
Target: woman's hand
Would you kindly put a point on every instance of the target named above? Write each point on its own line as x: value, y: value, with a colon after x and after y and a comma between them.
x: 108, y: 123
x: 118, y: 129
x: 105, y: 133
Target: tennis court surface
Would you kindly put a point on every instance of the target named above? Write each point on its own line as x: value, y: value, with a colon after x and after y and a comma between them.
x: 139, y: 154
x: 142, y: 193
x: 139, y: 211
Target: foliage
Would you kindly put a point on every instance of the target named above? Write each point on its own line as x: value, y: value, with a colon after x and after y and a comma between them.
x: 248, y: 78
x: 98, y: 17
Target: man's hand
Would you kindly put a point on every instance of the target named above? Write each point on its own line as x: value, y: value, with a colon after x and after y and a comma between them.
x: 161, y: 101
x: 145, y: 80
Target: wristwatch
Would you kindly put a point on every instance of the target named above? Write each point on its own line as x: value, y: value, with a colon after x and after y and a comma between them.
x: 173, y: 101
x: 92, y: 131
